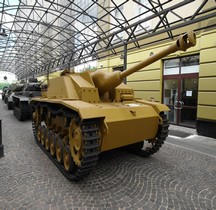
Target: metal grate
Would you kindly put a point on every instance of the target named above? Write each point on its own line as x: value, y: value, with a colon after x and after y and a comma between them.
x: 38, y: 36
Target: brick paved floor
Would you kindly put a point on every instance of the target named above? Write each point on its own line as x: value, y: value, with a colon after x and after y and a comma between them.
x: 174, y: 178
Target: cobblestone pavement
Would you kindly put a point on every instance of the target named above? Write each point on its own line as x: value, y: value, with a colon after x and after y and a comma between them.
x: 173, y: 178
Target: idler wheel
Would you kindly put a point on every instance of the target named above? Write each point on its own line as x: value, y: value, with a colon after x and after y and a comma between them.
x: 59, y: 150
x: 53, y: 140
x: 68, y: 161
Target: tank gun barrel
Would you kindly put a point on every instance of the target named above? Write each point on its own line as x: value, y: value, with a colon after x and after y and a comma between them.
x: 182, y: 43
x: 106, y: 81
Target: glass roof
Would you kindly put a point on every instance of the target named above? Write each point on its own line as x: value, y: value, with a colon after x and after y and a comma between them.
x: 40, y: 36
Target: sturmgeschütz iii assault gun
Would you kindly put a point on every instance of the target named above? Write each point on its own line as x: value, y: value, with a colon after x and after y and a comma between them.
x: 83, y: 114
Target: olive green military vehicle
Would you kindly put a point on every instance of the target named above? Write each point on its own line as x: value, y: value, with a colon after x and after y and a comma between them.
x: 83, y: 114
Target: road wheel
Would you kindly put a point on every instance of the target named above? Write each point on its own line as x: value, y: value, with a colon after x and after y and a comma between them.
x: 53, y: 140
x: 59, y: 151
x: 68, y: 161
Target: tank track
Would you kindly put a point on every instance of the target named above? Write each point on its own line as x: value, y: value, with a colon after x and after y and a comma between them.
x: 21, y: 112
x: 91, y: 148
x: 10, y: 105
x: 162, y: 133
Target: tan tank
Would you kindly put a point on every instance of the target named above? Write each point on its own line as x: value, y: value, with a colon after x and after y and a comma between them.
x: 83, y: 114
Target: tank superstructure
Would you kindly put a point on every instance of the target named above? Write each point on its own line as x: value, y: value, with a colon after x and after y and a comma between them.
x: 84, y: 114
x: 12, y: 89
x: 21, y: 99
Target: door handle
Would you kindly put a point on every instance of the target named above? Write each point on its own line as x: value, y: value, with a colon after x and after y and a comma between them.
x: 178, y: 104
x: 182, y: 104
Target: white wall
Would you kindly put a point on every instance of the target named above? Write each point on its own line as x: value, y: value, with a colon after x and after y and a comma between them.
x: 10, y: 77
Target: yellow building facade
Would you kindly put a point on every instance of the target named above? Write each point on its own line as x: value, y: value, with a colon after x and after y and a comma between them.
x: 190, y: 92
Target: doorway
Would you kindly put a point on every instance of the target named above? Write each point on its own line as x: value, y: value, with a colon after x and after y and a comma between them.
x: 180, y: 95
x: 180, y: 90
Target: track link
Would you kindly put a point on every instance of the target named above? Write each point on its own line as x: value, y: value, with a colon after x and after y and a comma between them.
x: 139, y: 149
x: 91, y: 147
x: 21, y: 112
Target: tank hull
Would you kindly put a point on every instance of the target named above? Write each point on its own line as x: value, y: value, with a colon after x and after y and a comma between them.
x: 121, y: 124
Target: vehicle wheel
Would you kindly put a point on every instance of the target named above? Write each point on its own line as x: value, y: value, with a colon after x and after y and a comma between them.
x: 59, y: 150
x: 39, y: 131
x: 43, y: 135
x: 76, y: 142
x: 68, y: 161
x: 47, y: 141
x: 53, y: 140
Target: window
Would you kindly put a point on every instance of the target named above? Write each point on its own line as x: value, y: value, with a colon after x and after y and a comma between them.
x: 171, y: 66
x: 190, y: 64
x: 184, y: 65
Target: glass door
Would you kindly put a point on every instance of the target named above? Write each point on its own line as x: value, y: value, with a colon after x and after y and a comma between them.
x: 180, y: 95
x: 180, y: 89
x: 189, y: 94
x: 171, y: 89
